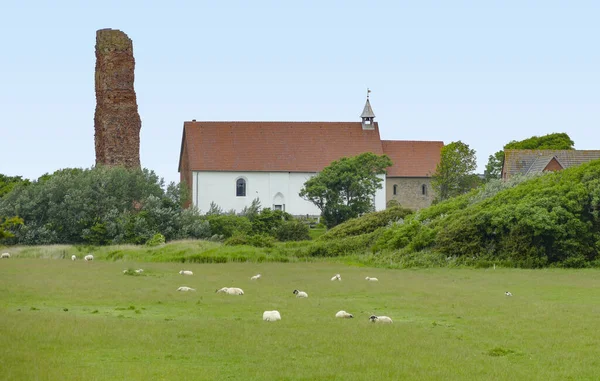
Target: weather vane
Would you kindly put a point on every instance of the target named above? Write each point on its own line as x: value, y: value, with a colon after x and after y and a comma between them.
x: 368, y: 91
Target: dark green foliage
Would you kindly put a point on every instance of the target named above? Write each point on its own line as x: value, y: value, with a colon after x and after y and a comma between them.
x: 227, y: 225
x: 345, y: 189
x: 99, y: 206
x: 8, y: 224
x: 268, y: 221
x: 292, y: 230
x: 7, y: 183
x: 367, y: 223
x: 552, y: 219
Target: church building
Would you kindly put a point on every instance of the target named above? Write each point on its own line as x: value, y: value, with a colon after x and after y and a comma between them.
x: 232, y: 163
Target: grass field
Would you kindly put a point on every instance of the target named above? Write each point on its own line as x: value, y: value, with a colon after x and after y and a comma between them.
x: 64, y: 320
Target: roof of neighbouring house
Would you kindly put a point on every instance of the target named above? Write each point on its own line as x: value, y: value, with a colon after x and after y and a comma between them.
x: 528, y: 161
x: 274, y: 146
x: 412, y: 158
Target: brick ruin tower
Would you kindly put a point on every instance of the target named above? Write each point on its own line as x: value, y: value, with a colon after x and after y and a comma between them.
x: 116, y: 121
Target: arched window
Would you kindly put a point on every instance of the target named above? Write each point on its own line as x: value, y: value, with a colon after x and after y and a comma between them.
x: 395, y: 189
x: 424, y: 190
x: 240, y: 188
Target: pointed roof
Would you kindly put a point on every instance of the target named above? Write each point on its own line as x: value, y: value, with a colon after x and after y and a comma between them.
x: 527, y: 161
x: 367, y: 111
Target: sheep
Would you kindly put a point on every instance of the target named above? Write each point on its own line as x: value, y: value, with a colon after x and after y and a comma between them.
x: 343, y: 314
x: 372, y: 279
x: 186, y: 272
x: 139, y: 271
x: 73, y: 257
x: 508, y: 293
x: 300, y: 294
x: 89, y: 257
x: 5, y: 255
x: 336, y: 277
x: 380, y: 319
x: 231, y: 291
x: 184, y: 288
x: 271, y: 316
x: 257, y: 276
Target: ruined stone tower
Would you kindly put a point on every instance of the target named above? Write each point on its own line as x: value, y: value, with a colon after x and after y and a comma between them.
x: 116, y: 121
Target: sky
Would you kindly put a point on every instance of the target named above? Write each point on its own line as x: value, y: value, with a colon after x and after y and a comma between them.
x: 482, y: 72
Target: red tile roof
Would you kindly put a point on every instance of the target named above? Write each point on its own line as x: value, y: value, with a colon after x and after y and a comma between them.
x: 412, y: 158
x: 273, y: 146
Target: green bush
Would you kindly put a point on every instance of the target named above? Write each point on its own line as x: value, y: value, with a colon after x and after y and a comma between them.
x: 261, y: 240
x: 292, y: 230
x: 156, y: 240
x: 227, y: 225
x: 367, y: 223
x: 236, y: 239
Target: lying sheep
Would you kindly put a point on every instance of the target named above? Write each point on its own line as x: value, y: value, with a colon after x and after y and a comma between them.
x: 139, y: 271
x: 372, y: 279
x: 336, y: 277
x: 300, y: 294
x: 380, y: 319
x: 5, y: 255
x: 73, y: 257
x: 184, y: 288
x: 271, y: 316
x: 508, y: 293
x: 257, y: 276
x: 89, y: 257
x: 231, y: 291
x: 343, y: 314
x: 186, y: 272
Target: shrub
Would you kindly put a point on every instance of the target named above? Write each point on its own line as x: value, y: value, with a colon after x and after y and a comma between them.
x: 261, y: 240
x: 156, y: 240
x: 292, y: 230
x: 367, y: 223
x: 236, y: 239
x: 227, y: 225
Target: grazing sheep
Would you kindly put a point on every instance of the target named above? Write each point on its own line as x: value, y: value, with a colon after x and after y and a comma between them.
x: 186, y: 272
x: 231, y: 291
x: 380, y: 319
x: 343, y: 314
x: 336, y: 277
x: 257, y: 276
x: 73, y: 257
x: 508, y: 293
x: 5, y: 255
x: 139, y: 271
x: 271, y: 316
x: 372, y: 279
x: 89, y: 257
x: 184, y: 288
x: 300, y: 294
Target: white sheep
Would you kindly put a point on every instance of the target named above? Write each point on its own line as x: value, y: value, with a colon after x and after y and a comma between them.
x: 186, y: 272
x: 257, y: 276
x: 271, y: 316
x: 73, y: 257
x: 5, y: 255
x: 336, y: 277
x: 231, y: 291
x: 372, y: 279
x: 139, y: 271
x: 184, y: 288
x: 343, y: 314
x: 300, y: 294
x: 89, y: 257
x: 380, y: 319
x: 508, y: 293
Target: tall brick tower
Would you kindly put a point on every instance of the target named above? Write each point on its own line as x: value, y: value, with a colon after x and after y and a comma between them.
x: 117, y: 122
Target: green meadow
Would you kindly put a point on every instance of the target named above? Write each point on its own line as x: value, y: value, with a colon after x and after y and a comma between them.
x: 65, y: 320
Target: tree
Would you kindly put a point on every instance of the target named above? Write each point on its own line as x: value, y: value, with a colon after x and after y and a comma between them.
x: 345, y: 189
x: 7, y: 183
x: 559, y: 140
x: 454, y: 173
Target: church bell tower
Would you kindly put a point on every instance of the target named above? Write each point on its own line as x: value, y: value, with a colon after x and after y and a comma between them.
x: 368, y: 115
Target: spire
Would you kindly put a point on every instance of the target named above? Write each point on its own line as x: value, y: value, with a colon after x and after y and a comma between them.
x: 368, y: 115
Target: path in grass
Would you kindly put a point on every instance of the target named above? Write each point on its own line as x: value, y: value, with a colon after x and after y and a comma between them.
x: 77, y: 320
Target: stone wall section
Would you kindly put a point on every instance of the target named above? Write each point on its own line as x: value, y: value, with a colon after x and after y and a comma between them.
x: 409, y: 191
x: 117, y: 122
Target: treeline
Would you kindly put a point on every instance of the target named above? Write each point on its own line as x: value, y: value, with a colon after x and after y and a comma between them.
x: 103, y: 205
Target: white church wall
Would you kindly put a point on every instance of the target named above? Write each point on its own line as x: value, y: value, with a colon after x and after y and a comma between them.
x: 269, y: 187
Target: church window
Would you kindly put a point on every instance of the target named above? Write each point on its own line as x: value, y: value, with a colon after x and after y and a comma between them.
x: 240, y: 188
x: 395, y: 189
x: 424, y: 190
